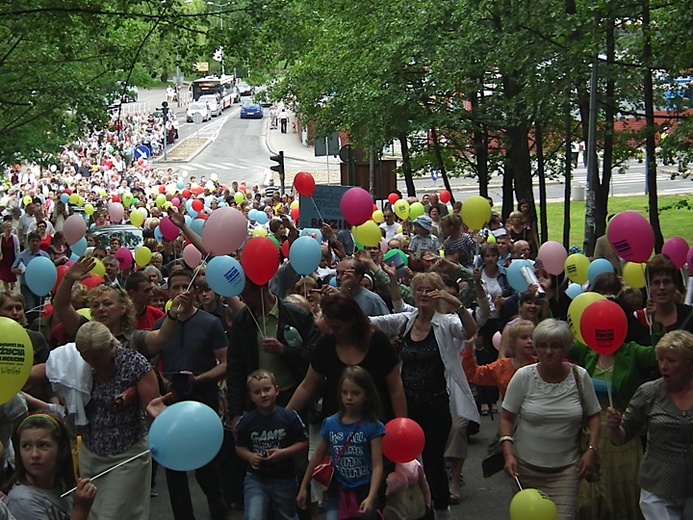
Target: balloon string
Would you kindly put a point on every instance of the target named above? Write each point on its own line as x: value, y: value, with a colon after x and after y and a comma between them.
x: 609, y: 378
x: 518, y: 482
x: 650, y: 320
x: 195, y: 273
x: 108, y: 471
x: 316, y: 209
x: 38, y: 308
x: 264, y: 320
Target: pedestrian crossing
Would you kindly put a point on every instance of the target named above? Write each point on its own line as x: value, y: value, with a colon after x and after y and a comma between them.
x: 210, y: 166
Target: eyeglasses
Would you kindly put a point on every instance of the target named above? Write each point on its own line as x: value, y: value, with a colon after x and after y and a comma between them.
x: 547, y: 346
x: 424, y: 290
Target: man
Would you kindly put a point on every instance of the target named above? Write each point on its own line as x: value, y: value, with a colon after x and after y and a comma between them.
x: 112, y: 266
x: 139, y: 289
x: 209, y: 301
x: 433, y: 202
x: 31, y: 300
x: 25, y: 221
x: 521, y: 249
x: 349, y: 275
x: 283, y: 120
x: 504, y: 247
x: 194, y: 361
x: 389, y: 225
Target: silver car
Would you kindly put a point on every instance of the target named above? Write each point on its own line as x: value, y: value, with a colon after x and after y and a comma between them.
x: 198, y: 108
x: 212, y: 103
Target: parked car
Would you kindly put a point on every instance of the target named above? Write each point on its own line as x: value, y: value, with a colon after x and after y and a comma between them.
x: 212, y: 103
x: 245, y: 89
x: 198, y: 108
x: 130, y: 236
x: 249, y: 109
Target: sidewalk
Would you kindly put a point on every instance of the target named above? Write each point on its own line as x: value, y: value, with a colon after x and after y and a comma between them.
x: 290, y: 142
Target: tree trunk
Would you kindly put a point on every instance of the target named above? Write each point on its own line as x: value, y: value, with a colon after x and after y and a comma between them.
x: 480, y: 146
x: 568, y: 174
x: 542, y: 184
x: 441, y: 162
x: 406, y: 165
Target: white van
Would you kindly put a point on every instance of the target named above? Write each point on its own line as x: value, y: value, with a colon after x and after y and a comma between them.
x: 212, y: 102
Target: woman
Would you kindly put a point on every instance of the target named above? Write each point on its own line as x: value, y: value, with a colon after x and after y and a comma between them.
x: 46, y: 239
x: 9, y: 250
x: 59, y: 251
x: 430, y: 345
x: 434, y: 213
x: 519, y: 231
x: 59, y: 216
x: 541, y: 420
x: 530, y: 223
x: 665, y: 407
x: 456, y: 240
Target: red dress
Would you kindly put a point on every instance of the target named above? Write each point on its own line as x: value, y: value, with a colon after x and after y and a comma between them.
x: 7, y: 246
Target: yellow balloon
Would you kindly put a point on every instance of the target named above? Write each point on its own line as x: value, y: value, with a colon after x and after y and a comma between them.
x: 239, y: 197
x: 74, y: 198
x: 378, y: 216
x: 143, y: 256
x: 167, y: 205
x: 160, y: 200
x: 294, y: 204
x: 634, y: 275
x: 576, y: 266
x: 367, y: 234
x: 89, y: 209
x: 16, y: 360
x: 136, y: 218
x: 491, y: 238
x: 577, y: 307
x: 127, y: 199
x: 168, y: 305
x: 80, y: 201
x: 86, y: 312
x: 401, y: 208
x: 27, y: 200
x: 99, y: 269
x: 416, y: 210
x: 102, y: 193
x: 476, y: 212
x: 259, y: 232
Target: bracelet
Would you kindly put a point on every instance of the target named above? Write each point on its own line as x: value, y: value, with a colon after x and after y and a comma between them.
x: 508, y: 438
x: 168, y: 315
x: 590, y: 447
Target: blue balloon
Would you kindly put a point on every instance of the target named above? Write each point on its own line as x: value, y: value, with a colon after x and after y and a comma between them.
x: 189, y: 209
x: 514, y: 274
x: 180, y: 185
x: 225, y: 276
x: 196, y: 225
x: 41, y: 275
x: 158, y: 235
x: 597, y: 267
x: 312, y: 232
x: 333, y: 281
x: 74, y: 257
x: 261, y: 217
x: 188, y: 220
x: 186, y: 436
x: 79, y: 247
x: 252, y: 214
x: 64, y: 198
x: 304, y: 255
x: 573, y: 290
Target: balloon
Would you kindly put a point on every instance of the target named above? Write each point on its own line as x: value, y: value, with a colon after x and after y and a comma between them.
x: 115, y: 198
x: 259, y: 232
x: 356, y: 206
x: 573, y: 290
x: 367, y: 234
x: 514, y: 274
x: 68, y: 191
x: 392, y: 198
x: 416, y: 210
x: 175, y: 201
x: 597, y: 267
x: 136, y: 219
x: 389, y: 257
x: 116, y: 212
x: 294, y: 214
x: 157, y: 234
x: 576, y: 266
x: 192, y: 256
x: 91, y: 281
x: 85, y: 311
x: 378, y: 216
x: 238, y: 197
x: 604, y: 326
x: 676, y: 248
x: 168, y: 229
x: 160, y: 200
x: 124, y: 257
x: 225, y: 276
x: 64, y: 198
x: 225, y: 231
x: 259, y: 259
x: 401, y: 208
x: 553, y: 256
x: 275, y: 241
x: 41, y: 275
x: 445, y: 196
x: 128, y: 199
x: 476, y: 212
x: 577, y: 308
x: 333, y: 282
x: 304, y: 184
x: 496, y: 340
x: 634, y: 275
x: 99, y: 269
x: 689, y: 259
x: 383, y: 246
x: 60, y: 270
x: 89, y: 209
x: 491, y: 239
x: 74, y: 228
x: 631, y: 236
x: 143, y: 255
x: 162, y: 189
x: 172, y: 431
x: 196, y: 225
x: 404, y: 440
x: 532, y: 504
x: 28, y: 200
x: 305, y: 254
x: 284, y: 248
x: 17, y: 358
x: 261, y: 217
x: 74, y: 198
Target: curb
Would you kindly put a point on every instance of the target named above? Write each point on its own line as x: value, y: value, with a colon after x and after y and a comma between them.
x: 188, y: 158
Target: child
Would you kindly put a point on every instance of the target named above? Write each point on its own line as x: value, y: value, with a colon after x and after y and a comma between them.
x: 44, y: 471
x: 268, y: 439
x: 359, y: 468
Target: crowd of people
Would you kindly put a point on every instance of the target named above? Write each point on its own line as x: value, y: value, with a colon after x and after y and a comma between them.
x: 360, y: 341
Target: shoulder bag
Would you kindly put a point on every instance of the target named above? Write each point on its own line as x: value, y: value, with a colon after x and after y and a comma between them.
x: 324, y: 471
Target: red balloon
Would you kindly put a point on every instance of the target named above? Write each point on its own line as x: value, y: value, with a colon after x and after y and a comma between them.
x: 392, y: 198
x: 304, y: 184
x: 67, y: 191
x: 294, y: 214
x: 404, y: 440
x: 91, y: 281
x: 260, y: 260
x: 197, y: 205
x: 202, y: 216
x: 444, y: 196
x: 241, y: 188
x: 116, y: 198
x: 62, y: 269
x: 197, y: 190
x: 285, y: 248
x: 186, y: 194
x: 604, y: 326
x: 162, y: 189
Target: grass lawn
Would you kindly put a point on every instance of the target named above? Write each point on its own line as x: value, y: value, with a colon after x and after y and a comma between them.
x: 674, y: 222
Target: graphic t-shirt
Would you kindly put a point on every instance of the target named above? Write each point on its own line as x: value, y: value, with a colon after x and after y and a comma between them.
x: 355, y: 466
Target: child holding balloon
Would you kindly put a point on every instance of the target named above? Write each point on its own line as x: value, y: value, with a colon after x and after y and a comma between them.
x: 353, y: 439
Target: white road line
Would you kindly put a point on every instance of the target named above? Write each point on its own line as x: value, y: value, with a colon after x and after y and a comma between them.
x: 239, y: 166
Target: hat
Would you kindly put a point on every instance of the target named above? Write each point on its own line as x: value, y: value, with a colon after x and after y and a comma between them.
x: 500, y: 232
x: 425, y: 222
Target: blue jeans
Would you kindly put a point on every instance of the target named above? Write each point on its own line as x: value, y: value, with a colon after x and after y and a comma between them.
x: 262, y: 494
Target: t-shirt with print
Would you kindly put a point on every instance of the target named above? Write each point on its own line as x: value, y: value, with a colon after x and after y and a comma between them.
x: 355, y: 466
x: 32, y: 503
x: 261, y: 433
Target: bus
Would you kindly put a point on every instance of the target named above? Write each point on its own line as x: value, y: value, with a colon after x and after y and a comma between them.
x: 224, y: 87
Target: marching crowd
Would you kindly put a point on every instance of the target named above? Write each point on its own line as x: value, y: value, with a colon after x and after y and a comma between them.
x: 430, y: 322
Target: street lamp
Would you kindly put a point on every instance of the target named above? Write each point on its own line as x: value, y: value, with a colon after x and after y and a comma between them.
x: 220, y: 6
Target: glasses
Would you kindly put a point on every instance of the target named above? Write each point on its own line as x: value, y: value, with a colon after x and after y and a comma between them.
x: 547, y: 346
x: 424, y: 290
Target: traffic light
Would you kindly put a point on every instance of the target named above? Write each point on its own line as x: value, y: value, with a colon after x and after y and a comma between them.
x: 279, y: 167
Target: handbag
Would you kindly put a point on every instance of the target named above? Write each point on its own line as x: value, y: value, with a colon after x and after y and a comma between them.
x: 493, y: 461
x: 594, y: 475
x: 324, y: 471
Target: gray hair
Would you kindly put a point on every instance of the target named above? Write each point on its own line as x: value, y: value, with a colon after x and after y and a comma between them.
x: 153, y: 269
x: 552, y: 329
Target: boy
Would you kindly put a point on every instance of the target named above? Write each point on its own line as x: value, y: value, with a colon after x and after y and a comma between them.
x: 268, y: 439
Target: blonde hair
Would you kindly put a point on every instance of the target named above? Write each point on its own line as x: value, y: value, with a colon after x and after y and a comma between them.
x: 434, y: 280
x: 679, y: 342
x: 129, y: 318
x: 512, y: 332
x: 94, y: 336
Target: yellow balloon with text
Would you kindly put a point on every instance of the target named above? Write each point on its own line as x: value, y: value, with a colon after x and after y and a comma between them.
x: 143, y: 255
x: 577, y: 308
x: 576, y: 266
x: 401, y: 208
x: 16, y: 360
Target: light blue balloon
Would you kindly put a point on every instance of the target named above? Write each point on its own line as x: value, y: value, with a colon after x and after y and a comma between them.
x: 189, y: 209
x: 74, y: 257
x: 186, y: 436
x: 252, y: 214
x: 180, y: 185
x: 333, y: 281
x: 597, y: 267
x: 261, y: 217
x: 158, y: 235
x: 225, y: 276
x: 304, y: 255
x: 79, y: 247
x: 573, y: 290
x: 313, y: 233
x: 64, y: 198
x: 196, y: 225
x: 41, y: 275
x: 514, y: 274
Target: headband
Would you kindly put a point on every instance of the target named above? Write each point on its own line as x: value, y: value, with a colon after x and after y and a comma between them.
x: 44, y: 417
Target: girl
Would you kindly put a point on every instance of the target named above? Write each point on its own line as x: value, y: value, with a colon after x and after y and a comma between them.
x: 359, y: 466
x: 44, y: 471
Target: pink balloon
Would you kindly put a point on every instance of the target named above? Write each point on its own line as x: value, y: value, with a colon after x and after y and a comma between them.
x: 356, y: 206
x: 553, y: 256
x: 175, y: 201
x: 116, y: 212
x: 689, y: 259
x: 168, y: 229
x: 225, y: 231
x: 676, y: 248
x: 496, y: 340
x: 74, y: 229
x: 125, y: 258
x: 383, y: 246
x: 192, y: 256
x: 631, y: 237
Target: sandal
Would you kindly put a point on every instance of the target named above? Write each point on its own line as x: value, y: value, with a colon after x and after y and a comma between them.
x: 484, y: 409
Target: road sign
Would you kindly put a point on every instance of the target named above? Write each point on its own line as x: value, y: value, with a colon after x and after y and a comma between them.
x: 201, y: 66
x: 142, y: 152
x: 328, y: 145
x: 197, y: 118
